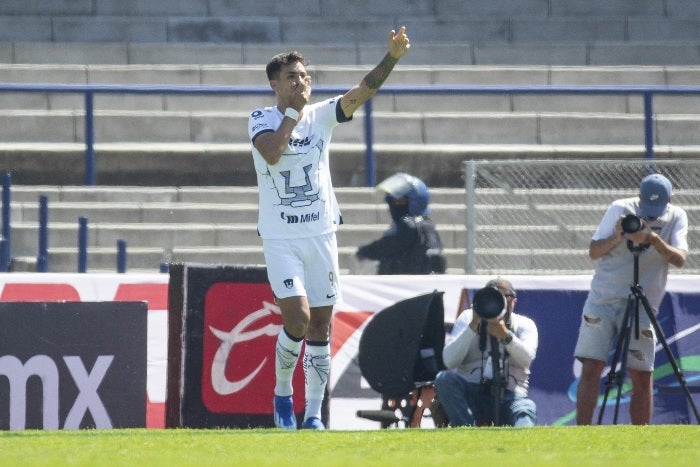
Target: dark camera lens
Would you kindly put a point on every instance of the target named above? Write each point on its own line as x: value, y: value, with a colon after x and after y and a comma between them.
x: 631, y: 223
x: 489, y: 303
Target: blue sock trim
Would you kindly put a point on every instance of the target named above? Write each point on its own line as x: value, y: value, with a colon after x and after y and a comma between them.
x: 295, y: 339
x: 317, y: 343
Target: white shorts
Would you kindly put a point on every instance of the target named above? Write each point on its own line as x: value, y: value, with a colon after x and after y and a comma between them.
x: 304, y: 267
x: 600, y: 323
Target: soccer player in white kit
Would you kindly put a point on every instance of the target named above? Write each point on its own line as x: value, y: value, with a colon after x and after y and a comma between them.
x: 299, y: 216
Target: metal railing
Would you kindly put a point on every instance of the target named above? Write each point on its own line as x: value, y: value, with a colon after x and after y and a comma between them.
x: 42, y: 258
x: 647, y: 93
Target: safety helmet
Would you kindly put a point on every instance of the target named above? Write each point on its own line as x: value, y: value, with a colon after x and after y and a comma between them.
x: 402, y: 185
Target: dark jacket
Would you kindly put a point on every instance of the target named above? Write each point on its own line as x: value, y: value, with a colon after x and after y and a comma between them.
x: 411, y: 246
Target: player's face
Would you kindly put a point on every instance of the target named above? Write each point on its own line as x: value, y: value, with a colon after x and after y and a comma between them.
x: 292, y: 79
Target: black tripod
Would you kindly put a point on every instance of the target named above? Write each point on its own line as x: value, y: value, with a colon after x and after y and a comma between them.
x: 631, y: 321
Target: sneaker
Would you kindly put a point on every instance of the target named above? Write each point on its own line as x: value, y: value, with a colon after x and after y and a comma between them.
x: 313, y: 423
x: 284, y: 413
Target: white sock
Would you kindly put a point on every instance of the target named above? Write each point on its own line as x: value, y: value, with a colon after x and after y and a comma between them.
x: 286, y: 357
x: 317, y: 365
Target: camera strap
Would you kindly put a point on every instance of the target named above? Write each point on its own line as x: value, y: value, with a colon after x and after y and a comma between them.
x: 482, y: 346
x: 482, y: 336
x: 496, y: 361
x: 499, y: 361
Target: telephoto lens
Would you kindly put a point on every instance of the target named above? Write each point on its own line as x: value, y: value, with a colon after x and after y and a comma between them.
x: 489, y: 303
x: 631, y: 223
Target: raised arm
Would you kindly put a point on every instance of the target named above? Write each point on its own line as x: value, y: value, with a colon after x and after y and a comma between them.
x: 361, y: 93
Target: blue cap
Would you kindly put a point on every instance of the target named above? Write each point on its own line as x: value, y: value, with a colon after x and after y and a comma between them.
x: 654, y: 195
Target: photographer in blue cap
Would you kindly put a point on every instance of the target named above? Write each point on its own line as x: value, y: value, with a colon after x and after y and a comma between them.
x: 657, y: 230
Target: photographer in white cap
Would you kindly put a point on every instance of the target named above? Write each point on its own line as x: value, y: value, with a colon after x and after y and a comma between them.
x: 660, y: 240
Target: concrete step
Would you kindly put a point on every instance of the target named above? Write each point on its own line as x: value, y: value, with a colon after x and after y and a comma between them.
x: 650, y: 52
x: 102, y: 259
x: 385, y: 101
x: 362, y: 9
x: 366, y: 27
x: 123, y: 212
x: 25, y: 236
x: 247, y: 213
x: 341, y: 75
x: 190, y: 194
x: 421, y: 128
x: 346, y: 195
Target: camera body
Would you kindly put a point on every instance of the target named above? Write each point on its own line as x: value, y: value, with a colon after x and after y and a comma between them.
x: 631, y: 224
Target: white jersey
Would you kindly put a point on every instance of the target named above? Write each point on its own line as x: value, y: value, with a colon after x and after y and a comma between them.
x: 614, y: 271
x: 296, y: 197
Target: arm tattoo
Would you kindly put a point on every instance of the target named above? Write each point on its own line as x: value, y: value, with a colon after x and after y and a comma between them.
x: 375, y: 78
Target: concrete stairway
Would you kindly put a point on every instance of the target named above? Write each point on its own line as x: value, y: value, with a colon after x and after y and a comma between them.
x: 196, y: 224
x: 163, y: 140
x: 217, y: 225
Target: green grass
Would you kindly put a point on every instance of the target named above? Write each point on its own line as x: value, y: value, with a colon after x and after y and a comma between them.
x: 677, y: 445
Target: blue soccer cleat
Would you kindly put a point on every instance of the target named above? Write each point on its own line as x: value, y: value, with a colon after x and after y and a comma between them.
x: 284, y: 413
x: 313, y: 423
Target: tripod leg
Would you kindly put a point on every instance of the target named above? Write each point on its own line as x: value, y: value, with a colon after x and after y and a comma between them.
x: 671, y: 359
x: 632, y: 322
x: 613, y: 375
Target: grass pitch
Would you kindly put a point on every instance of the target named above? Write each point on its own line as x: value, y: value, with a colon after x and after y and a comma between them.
x: 621, y: 445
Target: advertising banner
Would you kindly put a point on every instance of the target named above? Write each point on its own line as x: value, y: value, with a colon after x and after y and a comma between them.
x: 149, y: 288
x: 222, y: 334
x: 68, y: 365
x: 554, y: 302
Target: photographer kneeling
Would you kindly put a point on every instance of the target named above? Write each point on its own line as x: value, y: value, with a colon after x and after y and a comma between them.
x: 488, y: 356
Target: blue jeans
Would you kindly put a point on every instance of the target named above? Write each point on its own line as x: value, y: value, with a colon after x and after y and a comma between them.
x: 469, y: 404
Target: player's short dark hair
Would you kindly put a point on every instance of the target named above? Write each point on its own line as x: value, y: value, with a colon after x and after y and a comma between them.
x: 278, y: 61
